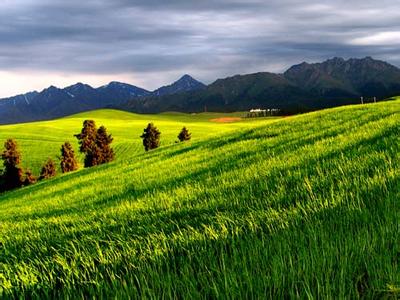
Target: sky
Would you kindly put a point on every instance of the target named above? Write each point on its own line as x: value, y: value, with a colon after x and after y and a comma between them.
x: 151, y: 43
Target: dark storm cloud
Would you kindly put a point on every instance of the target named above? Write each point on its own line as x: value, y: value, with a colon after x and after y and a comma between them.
x: 208, y: 38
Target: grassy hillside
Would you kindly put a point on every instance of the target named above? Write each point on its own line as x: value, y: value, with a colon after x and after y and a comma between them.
x: 304, y: 207
x: 41, y: 140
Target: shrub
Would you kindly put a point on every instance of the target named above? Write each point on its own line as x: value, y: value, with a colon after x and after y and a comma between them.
x: 12, y: 174
x: 29, y: 178
x: 68, y: 160
x: 184, y: 135
x: 48, y: 170
x: 151, y: 137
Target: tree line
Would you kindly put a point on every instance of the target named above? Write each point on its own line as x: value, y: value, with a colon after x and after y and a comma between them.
x: 94, y: 143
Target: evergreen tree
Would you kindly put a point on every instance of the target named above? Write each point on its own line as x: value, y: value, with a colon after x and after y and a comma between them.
x: 95, y: 144
x: 87, y: 137
x: 151, y: 137
x: 92, y: 157
x: 87, y: 142
x: 184, y: 135
x: 103, y: 142
x: 68, y: 160
x: 12, y: 174
x: 29, y: 178
x: 48, y: 170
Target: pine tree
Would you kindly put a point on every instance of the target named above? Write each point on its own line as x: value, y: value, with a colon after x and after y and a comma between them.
x: 103, y: 142
x: 93, y: 156
x: 151, y: 137
x: 87, y: 137
x: 87, y: 142
x: 68, y: 160
x: 48, y: 170
x: 184, y: 135
x: 12, y: 174
x: 95, y: 144
x: 29, y: 178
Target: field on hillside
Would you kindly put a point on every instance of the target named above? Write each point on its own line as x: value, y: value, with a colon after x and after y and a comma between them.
x: 40, y: 140
x: 301, y: 207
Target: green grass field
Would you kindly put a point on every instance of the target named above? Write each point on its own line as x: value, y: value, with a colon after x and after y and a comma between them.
x: 40, y: 140
x: 300, y: 207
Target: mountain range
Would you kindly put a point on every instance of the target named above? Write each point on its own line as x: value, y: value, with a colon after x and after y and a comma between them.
x: 302, y: 87
x: 54, y: 102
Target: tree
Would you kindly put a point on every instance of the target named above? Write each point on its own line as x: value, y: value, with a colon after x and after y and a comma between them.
x: 151, y: 137
x: 48, y: 170
x: 103, y: 142
x: 68, y: 160
x: 92, y: 157
x: 29, y: 178
x: 12, y: 174
x: 184, y: 135
x: 95, y: 144
x: 87, y: 142
x: 87, y: 137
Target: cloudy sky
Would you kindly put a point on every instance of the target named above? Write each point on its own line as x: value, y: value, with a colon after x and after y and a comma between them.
x: 152, y: 42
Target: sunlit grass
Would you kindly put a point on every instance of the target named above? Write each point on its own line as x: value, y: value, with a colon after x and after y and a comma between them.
x: 40, y: 140
x: 303, y: 207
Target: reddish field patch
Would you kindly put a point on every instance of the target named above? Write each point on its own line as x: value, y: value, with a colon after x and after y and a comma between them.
x: 226, y: 120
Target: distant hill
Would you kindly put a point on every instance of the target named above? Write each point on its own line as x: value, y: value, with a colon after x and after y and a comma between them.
x: 302, y: 87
